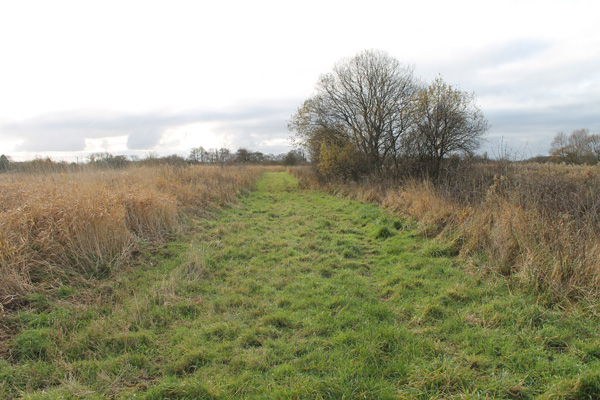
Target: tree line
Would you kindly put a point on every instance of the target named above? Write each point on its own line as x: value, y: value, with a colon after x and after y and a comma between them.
x: 371, y: 116
x: 579, y: 147
x: 197, y: 155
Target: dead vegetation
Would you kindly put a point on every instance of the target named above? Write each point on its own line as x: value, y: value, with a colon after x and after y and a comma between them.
x: 54, y: 226
x: 538, y: 224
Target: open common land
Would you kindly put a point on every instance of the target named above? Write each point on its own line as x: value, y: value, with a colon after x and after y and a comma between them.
x: 287, y: 292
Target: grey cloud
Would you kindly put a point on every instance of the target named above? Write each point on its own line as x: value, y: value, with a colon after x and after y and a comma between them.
x: 144, y: 138
x: 246, y: 125
x: 58, y: 140
x: 465, y: 66
x: 529, y: 131
x: 52, y: 132
x: 521, y: 68
x: 254, y: 133
x: 526, y: 96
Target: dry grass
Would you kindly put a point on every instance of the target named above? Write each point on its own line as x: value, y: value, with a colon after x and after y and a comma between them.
x: 538, y: 224
x: 55, y: 226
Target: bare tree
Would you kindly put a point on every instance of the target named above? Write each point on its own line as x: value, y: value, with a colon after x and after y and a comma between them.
x: 197, y: 155
x: 448, y: 121
x: 371, y: 114
x: 560, y: 145
x: 222, y: 155
x: 242, y: 155
x: 579, y: 147
x: 366, y: 101
x: 594, y: 143
x: 579, y: 140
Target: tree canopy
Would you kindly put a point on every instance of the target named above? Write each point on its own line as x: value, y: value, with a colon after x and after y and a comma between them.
x: 370, y: 115
x: 447, y: 121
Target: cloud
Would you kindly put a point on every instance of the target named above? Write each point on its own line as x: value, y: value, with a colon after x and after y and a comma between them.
x: 266, y: 135
x: 529, y: 130
x: 61, y: 131
x: 249, y: 125
x: 529, y: 88
x: 145, y: 137
x: 107, y: 144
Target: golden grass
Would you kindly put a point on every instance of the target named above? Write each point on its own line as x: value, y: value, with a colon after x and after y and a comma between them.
x: 536, y: 223
x: 55, y: 226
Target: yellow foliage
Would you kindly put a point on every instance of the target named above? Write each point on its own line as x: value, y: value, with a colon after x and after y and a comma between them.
x: 336, y: 160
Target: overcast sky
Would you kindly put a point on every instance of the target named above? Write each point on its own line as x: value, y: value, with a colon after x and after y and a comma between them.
x: 132, y: 77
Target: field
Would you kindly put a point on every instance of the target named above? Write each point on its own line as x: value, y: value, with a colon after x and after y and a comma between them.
x: 287, y: 292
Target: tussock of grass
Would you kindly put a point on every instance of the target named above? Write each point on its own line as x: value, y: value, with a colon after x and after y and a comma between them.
x: 382, y: 232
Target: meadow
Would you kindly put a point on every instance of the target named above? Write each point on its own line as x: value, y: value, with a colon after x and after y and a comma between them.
x: 266, y: 288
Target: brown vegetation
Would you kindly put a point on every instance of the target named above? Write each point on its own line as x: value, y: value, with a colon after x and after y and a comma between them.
x: 537, y: 224
x: 60, y: 225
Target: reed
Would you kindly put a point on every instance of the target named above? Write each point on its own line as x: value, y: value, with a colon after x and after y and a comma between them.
x: 61, y: 225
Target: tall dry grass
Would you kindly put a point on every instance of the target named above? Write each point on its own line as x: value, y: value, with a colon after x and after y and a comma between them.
x: 56, y: 226
x: 537, y: 223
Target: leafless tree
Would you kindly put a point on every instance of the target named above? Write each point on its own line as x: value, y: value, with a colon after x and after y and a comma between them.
x: 448, y: 121
x: 579, y: 141
x: 373, y: 110
x: 594, y: 143
x: 580, y: 147
x: 197, y: 155
x: 365, y: 101
x: 560, y: 145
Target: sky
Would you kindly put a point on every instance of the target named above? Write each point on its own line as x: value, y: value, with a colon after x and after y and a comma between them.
x: 137, y: 77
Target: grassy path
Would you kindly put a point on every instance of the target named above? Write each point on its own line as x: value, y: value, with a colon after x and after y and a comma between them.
x: 297, y: 294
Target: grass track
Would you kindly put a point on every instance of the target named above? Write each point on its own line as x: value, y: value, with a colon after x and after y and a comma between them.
x: 298, y: 294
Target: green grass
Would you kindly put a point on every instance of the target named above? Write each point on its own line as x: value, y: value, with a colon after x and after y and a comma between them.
x: 298, y: 294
